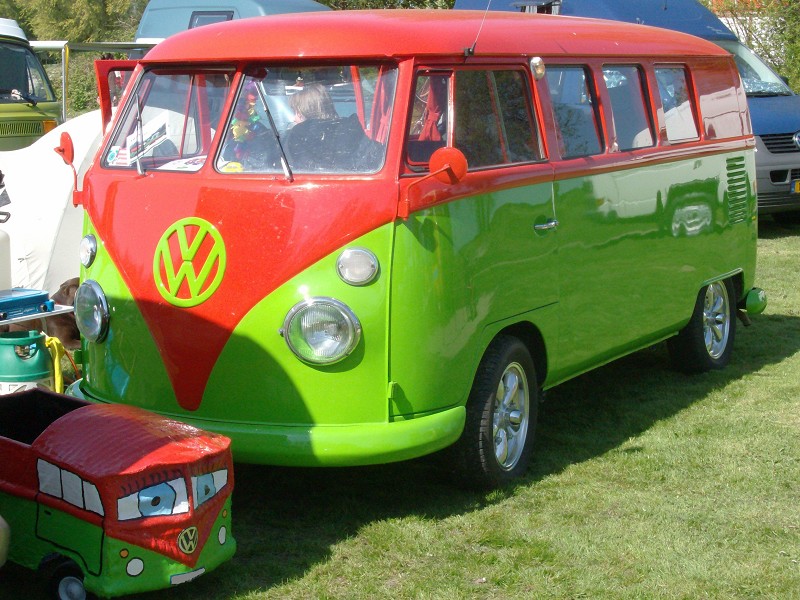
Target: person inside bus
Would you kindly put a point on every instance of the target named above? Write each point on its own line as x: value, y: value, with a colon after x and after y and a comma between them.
x: 323, y: 141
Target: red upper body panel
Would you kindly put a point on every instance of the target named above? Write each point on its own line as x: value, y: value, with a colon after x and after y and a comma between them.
x: 399, y: 33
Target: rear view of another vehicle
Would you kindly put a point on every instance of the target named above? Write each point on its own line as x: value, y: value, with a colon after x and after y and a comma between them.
x: 28, y: 106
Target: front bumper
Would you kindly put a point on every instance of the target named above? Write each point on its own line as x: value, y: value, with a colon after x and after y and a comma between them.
x: 775, y: 173
x: 332, y: 445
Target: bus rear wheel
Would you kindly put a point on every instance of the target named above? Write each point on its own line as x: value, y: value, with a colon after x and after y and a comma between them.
x: 66, y: 582
x: 495, y: 447
x: 706, y: 342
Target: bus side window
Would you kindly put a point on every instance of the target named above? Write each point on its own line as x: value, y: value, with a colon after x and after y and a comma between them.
x: 631, y: 118
x: 574, y: 111
x: 493, y: 120
x: 677, y: 104
x: 429, y: 117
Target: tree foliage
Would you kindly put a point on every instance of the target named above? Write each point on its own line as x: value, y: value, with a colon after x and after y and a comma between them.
x: 80, y: 20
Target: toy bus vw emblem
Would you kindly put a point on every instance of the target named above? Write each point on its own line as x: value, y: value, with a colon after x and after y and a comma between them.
x: 187, y: 540
x: 189, y: 262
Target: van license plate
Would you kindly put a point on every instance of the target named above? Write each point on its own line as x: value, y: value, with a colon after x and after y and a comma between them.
x: 796, y: 186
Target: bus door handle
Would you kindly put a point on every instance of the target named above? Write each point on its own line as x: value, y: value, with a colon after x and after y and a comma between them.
x: 549, y: 224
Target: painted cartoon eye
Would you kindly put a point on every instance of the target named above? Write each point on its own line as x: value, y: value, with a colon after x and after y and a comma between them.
x: 156, y: 500
x: 205, y: 487
x: 168, y: 498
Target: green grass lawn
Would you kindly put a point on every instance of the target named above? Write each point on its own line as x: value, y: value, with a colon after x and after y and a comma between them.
x: 645, y: 484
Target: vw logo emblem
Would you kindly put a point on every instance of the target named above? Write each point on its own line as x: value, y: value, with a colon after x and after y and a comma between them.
x: 187, y: 540
x: 189, y: 262
x: 796, y: 139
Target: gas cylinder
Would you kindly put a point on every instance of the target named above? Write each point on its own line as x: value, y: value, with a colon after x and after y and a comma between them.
x: 25, y: 362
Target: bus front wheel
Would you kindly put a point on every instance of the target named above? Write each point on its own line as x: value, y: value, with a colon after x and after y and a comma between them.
x: 66, y: 582
x: 706, y: 342
x: 495, y: 447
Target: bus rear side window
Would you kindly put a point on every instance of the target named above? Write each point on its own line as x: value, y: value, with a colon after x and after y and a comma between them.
x: 574, y: 111
x: 493, y: 120
x: 631, y: 117
x: 677, y: 103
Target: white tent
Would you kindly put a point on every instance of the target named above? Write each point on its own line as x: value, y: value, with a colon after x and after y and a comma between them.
x: 44, y: 227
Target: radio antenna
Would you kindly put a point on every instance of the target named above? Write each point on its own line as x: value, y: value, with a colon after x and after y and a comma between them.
x: 471, y: 50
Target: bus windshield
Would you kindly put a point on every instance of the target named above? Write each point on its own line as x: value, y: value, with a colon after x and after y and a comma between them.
x: 21, y: 72
x: 170, y: 122
x: 309, y: 119
x: 171, y: 497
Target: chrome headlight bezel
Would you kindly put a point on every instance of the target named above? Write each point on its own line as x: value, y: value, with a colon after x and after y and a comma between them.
x: 91, y: 311
x: 88, y: 250
x: 297, y: 334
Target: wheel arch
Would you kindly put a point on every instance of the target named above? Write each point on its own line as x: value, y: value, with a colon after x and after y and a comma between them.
x: 532, y: 337
x: 738, y: 287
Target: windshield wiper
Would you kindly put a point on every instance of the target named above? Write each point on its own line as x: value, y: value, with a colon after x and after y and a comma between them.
x: 287, y: 170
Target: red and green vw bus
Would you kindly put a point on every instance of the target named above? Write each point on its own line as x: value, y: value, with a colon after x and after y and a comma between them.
x: 111, y: 499
x: 348, y: 238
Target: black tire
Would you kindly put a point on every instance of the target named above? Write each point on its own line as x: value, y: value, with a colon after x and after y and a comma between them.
x: 706, y: 342
x: 495, y: 447
x: 66, y: 582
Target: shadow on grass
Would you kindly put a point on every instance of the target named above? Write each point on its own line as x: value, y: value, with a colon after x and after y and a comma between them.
x: 287, y: 520
x: 768, y: 229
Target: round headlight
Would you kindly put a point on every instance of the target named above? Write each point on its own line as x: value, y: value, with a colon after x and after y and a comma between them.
x: 357, y: 266
x: 321, y: 331
x: 91, y: 311
x: 88, y: 250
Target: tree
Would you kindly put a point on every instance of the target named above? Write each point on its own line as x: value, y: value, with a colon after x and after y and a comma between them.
x: 788, y: 20
x: 80, y: 20
x: 12, y: 9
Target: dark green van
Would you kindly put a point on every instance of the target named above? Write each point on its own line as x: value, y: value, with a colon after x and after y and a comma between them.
x: 28, y: 106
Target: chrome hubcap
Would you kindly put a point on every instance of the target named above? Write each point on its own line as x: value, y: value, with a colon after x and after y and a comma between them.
x: 510, y: 418
x: 716, y: 319
x: 71, y: 588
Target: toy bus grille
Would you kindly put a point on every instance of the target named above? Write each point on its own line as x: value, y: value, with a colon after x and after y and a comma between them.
x: 737, y: 190
x: 18, y: 128
x: 780, y: 143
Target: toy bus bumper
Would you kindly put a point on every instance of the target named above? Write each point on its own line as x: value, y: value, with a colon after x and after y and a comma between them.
x: 332, y: 445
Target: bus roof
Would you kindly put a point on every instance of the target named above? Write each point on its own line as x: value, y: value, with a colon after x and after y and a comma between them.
x: 400, y: 33
x: 102, y: 440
